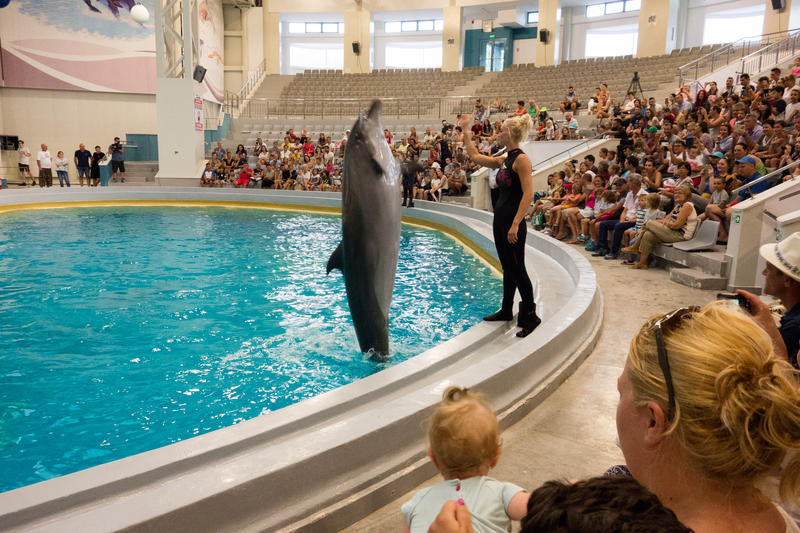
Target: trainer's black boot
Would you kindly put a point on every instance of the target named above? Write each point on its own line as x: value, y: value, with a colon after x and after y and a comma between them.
x: 527, y: 320
x: 503, y: 315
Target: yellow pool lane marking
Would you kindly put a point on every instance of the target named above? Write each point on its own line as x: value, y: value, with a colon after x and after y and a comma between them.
x: 454, y: 234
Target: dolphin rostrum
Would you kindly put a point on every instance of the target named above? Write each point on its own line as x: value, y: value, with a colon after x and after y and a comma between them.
x: 367, y: 255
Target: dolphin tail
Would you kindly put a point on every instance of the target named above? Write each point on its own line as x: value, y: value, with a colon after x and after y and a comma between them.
x: 91, y: 7
x: 335, y: 260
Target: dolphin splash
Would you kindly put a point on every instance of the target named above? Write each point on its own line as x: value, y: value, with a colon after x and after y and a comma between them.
x: 367, y: 255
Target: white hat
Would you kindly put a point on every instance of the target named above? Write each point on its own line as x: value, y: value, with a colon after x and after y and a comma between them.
x: 785, y: 255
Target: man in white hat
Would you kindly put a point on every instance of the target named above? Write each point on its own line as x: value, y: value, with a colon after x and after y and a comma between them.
x: 782, y: 280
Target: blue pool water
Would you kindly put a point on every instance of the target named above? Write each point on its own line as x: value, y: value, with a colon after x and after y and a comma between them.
x: 126, y: 329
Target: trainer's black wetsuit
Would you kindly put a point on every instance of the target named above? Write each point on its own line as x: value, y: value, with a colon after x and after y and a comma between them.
x: 512, y: 256
x: 409, y: 170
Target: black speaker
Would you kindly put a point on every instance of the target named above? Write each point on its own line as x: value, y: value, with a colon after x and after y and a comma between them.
x: 199, y: 74
x: 544, y: 36
x: 778, y: 4
x: 356, y: 47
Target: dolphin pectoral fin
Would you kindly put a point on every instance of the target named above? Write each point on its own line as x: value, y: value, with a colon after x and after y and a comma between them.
x: 335, y: 260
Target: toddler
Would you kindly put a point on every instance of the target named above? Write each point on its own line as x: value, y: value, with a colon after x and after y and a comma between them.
x: 604, y: 209
x: 464, y: 445
x: 715, y: 210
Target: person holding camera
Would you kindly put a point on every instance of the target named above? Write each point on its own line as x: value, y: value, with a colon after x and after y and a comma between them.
x: 116, y: 151
x: 781, y: 280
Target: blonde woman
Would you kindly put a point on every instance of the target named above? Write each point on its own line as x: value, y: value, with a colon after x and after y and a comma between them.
x: 515, y: 185
x: 707, y: 412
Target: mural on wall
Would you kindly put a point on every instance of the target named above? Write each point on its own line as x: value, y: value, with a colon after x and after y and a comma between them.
x: 95, y: 45
x: 211, y: 37
x: 91, y: 45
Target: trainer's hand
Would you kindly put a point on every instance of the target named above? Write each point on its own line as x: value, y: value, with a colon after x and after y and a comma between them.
x: 453, y: 518
x: 512, y: 233
x: 464, y: 123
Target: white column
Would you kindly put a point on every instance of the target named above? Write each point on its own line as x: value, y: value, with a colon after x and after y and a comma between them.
x: 657, y: 27
x: 777, y: 20
x: 180, y: 144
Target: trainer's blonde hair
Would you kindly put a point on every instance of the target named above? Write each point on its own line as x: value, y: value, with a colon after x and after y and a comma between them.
x: 737, y: 406
x: 463, y: 435
x: 519, y: 126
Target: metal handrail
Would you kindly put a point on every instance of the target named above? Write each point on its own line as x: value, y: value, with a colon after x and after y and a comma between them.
x: 765, y: 177
x: 566, y: 151
x: 731, y: 52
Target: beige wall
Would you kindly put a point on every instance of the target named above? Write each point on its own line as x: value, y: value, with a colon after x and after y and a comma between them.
x: 356, y: 28
x: 776, y: 21
x: 548, y: 19
x: 451, y: 51
x: 653, y: 27
x: 272, y: 40
x: 64, y: 119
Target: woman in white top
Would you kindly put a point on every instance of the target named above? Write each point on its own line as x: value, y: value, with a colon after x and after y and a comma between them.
x: 679, y: 225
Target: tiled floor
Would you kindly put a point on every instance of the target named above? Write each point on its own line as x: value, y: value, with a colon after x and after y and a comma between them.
x: 572, y: 434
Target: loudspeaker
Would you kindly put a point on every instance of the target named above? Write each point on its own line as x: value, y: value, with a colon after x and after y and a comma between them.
x: 778, y: 4
x: 199, y: 74
x: 356, y: 47
x: 544, y: 36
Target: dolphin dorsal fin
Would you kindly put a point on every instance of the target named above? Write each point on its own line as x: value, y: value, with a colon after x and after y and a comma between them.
x: 335, y: 260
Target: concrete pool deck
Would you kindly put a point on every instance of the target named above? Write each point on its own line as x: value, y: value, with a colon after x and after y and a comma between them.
x: 325, y: 462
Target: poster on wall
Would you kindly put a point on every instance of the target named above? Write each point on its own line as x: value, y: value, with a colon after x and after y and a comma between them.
x: 211, y: 40
x: 198, y: 114
x: 92, y: 45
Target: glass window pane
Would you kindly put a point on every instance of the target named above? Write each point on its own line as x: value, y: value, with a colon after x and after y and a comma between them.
x: 297, y: 27
x: 596, y: 10
x: 310, y: 55
x: 633, y: 5
x: 313, y: 27
x: 614, y: 7
x: 425, y: 25
x: 409, y: 25
x: 414, y: 55
x: 533, y: 17
x: 616, y: 41
x: 330, y: 27
x: 438, y: 25
x: 728, y: 29
x: 391, y: 27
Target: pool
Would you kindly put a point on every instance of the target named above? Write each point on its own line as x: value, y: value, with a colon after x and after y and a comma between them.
x: 124, y: 329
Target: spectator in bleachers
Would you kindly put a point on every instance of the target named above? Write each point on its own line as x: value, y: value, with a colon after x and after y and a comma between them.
x: 533, y: 109
x: 617, y: 227
x: 679, y: 225
x: 571, y: 102
x: 746, y: 171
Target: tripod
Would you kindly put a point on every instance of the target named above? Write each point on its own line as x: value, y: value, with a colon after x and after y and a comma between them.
x: 635, y: 87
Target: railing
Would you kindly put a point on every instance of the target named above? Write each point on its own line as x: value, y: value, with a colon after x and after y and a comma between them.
x: 254, y: 79
x: 729, y: 53
x: 772, y: 53
x: 765, y: 177
x: 569, y: 151
x: 341, y: 108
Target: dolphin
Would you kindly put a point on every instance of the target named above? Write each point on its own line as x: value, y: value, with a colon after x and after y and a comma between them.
x: 367, y: 255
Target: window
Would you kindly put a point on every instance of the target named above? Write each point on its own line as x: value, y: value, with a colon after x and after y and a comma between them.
x: 597, y: 10
x: 311, y: 55
x: 316, y: 27
x: 420, y: 54
x: 614, y: 41
x: 533, y: 17
x: 633, y: 5
x: 612, y: 8
x: 398, y: 26
x: 733, y: 24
